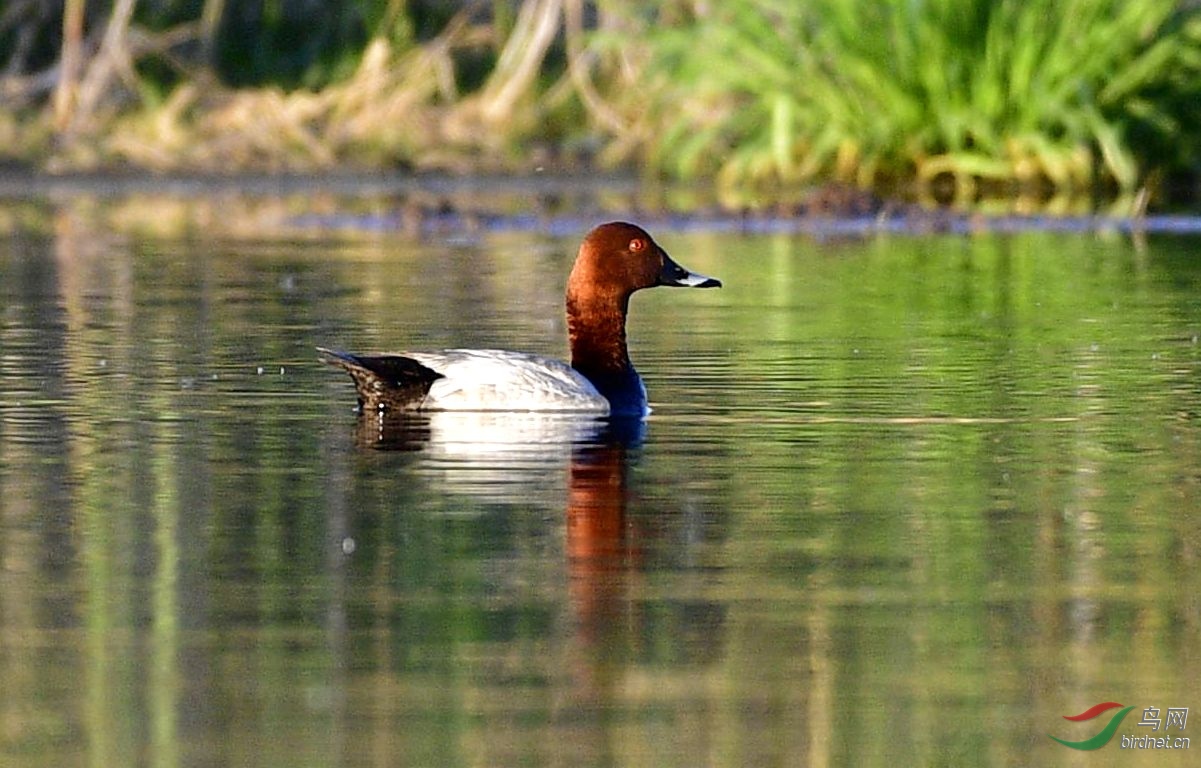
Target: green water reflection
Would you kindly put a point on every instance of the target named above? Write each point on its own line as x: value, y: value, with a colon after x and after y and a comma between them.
x: 905, y: 501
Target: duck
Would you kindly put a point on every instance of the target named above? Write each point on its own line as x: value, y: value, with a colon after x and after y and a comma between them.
x: 614, y: 261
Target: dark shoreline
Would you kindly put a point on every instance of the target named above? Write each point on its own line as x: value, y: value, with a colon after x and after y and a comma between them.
x: 439, y: 203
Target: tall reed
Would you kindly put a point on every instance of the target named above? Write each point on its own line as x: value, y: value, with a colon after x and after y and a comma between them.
x: 1065, y: 93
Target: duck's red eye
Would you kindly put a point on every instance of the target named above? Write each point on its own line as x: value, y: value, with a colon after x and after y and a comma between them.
x: 637, y: 244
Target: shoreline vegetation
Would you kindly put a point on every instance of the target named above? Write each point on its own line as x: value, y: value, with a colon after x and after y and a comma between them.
x: 944, y: 101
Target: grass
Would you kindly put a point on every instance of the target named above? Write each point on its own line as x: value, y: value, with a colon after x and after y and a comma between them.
x: 1061, y: 93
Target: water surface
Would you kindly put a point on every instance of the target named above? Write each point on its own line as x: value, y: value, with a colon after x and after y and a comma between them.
x: 902, y: 500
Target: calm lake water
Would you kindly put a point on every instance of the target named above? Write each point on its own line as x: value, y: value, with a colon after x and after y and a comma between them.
x: 902, y: 501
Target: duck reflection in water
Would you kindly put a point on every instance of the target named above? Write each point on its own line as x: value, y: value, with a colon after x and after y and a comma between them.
x: 602, y: 550
x: 609, y: 545
x: 483, y: 453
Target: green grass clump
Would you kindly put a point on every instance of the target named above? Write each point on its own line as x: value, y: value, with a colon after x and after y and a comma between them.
x: 1058, y: 93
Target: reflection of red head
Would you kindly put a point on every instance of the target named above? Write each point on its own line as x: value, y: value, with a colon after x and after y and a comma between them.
x: 599, y: 552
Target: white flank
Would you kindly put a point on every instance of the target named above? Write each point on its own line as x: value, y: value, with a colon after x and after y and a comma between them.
x: 499, y: 380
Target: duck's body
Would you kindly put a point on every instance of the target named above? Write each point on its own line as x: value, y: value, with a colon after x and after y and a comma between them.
x: 615, y: 260
x: 470, y: 380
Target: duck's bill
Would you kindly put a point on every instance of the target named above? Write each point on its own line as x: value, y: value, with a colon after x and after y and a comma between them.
x: 676, y: 276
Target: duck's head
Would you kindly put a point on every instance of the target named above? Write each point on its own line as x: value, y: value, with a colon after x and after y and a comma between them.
x: 619, y: 258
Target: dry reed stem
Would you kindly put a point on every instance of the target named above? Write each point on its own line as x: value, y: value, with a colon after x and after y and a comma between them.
x: 71, y: 63
x: 111, y: 61
x: 577, y: 68
x: 520, y: 60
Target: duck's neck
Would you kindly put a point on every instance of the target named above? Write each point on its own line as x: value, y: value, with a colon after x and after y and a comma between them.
x: 598, y: 350
x: 597, y: 330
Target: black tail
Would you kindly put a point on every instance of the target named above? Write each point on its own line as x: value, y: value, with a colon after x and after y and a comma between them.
x: 384, y: 382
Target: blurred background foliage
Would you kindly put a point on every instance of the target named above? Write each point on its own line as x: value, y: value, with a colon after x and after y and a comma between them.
x: 1036, y: 96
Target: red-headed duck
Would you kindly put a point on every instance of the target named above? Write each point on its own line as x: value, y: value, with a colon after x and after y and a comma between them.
x: 615, y: 260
